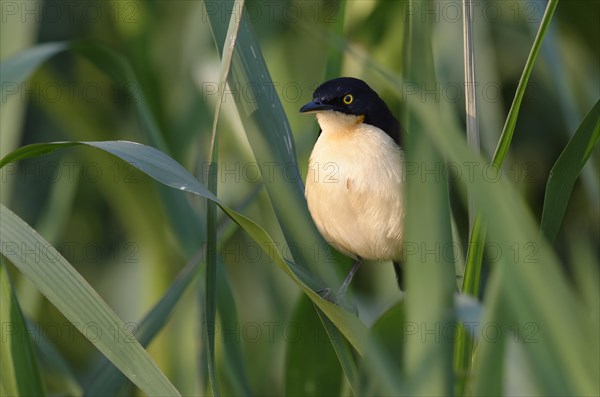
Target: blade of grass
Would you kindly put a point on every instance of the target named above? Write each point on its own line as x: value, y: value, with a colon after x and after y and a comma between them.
x: 234, y: 359
x: 463, y: 347
x: 586, y: 273
x: 379, y: 364
x: 20, y: 375
x: 210, y: 300
x: 19, y: 67
x: 388, y: 331
x: 343, y: 351
x: 566, y: 170
x: 226, y: 56
x: 428, y: 226
x: 566, y: 94
x: 489, y: 356
x: 209, y: 294
x: 311, y: 365
x: 56, y: 372
x: 30, y: 151
x: 15, y: 35
x: 474, y: 260
x: 513, y: 113
x: 107, y: 380
x: 57, y: 207
x: 470, y: 96
x: 80, y: 303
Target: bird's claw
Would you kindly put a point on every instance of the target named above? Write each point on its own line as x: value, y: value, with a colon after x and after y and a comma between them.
x: 325, y: 293
x: 337, y: 299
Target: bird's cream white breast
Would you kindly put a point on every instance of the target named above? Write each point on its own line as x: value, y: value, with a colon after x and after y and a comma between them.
x: 354, y: 187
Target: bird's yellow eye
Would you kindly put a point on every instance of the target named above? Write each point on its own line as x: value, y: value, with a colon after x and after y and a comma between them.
x: 348, y: 99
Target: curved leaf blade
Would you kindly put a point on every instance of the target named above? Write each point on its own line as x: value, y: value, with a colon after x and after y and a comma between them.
x: 566, y: 170
x: 34, y: 150
x: 20, y: 375
x: 232, y: 349
x: 312, y: 368
x: 66, y: 289
x: 107, y: 380
x: 167, y: 171
x: 513, y: 113
x: 18, y: 68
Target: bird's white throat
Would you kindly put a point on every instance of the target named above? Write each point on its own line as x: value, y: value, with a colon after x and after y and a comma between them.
x: 335, y: 121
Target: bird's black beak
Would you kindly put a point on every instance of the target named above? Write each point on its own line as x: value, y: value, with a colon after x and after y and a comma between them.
x: 315, y: 106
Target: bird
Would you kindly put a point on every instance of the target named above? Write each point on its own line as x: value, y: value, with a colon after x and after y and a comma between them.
x: 355, y: 182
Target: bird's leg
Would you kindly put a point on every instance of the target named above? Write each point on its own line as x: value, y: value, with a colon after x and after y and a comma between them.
x: 342, y: 291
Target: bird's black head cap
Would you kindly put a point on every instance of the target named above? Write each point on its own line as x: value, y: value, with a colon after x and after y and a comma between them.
x: 353, y: 96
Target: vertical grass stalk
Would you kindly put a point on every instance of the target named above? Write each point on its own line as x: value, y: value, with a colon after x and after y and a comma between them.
x: 470, y: 96
x: 427, y: 224
x: 464, y: 346
x: 211, y: 207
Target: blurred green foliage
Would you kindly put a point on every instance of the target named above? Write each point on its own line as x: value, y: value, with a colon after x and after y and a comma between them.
x: 115, y: 226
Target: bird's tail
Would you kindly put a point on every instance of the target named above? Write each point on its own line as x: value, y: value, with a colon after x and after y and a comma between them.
x: 398, y: 268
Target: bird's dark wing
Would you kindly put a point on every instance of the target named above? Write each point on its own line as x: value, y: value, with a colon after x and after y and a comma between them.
x: 382, y: 118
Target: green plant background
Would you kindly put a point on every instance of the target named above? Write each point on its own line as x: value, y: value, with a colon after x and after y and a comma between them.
x: 150, y: 72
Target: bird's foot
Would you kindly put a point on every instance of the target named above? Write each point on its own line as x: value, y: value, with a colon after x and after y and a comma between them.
x: 338, y: 299
x: 325, y: 293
